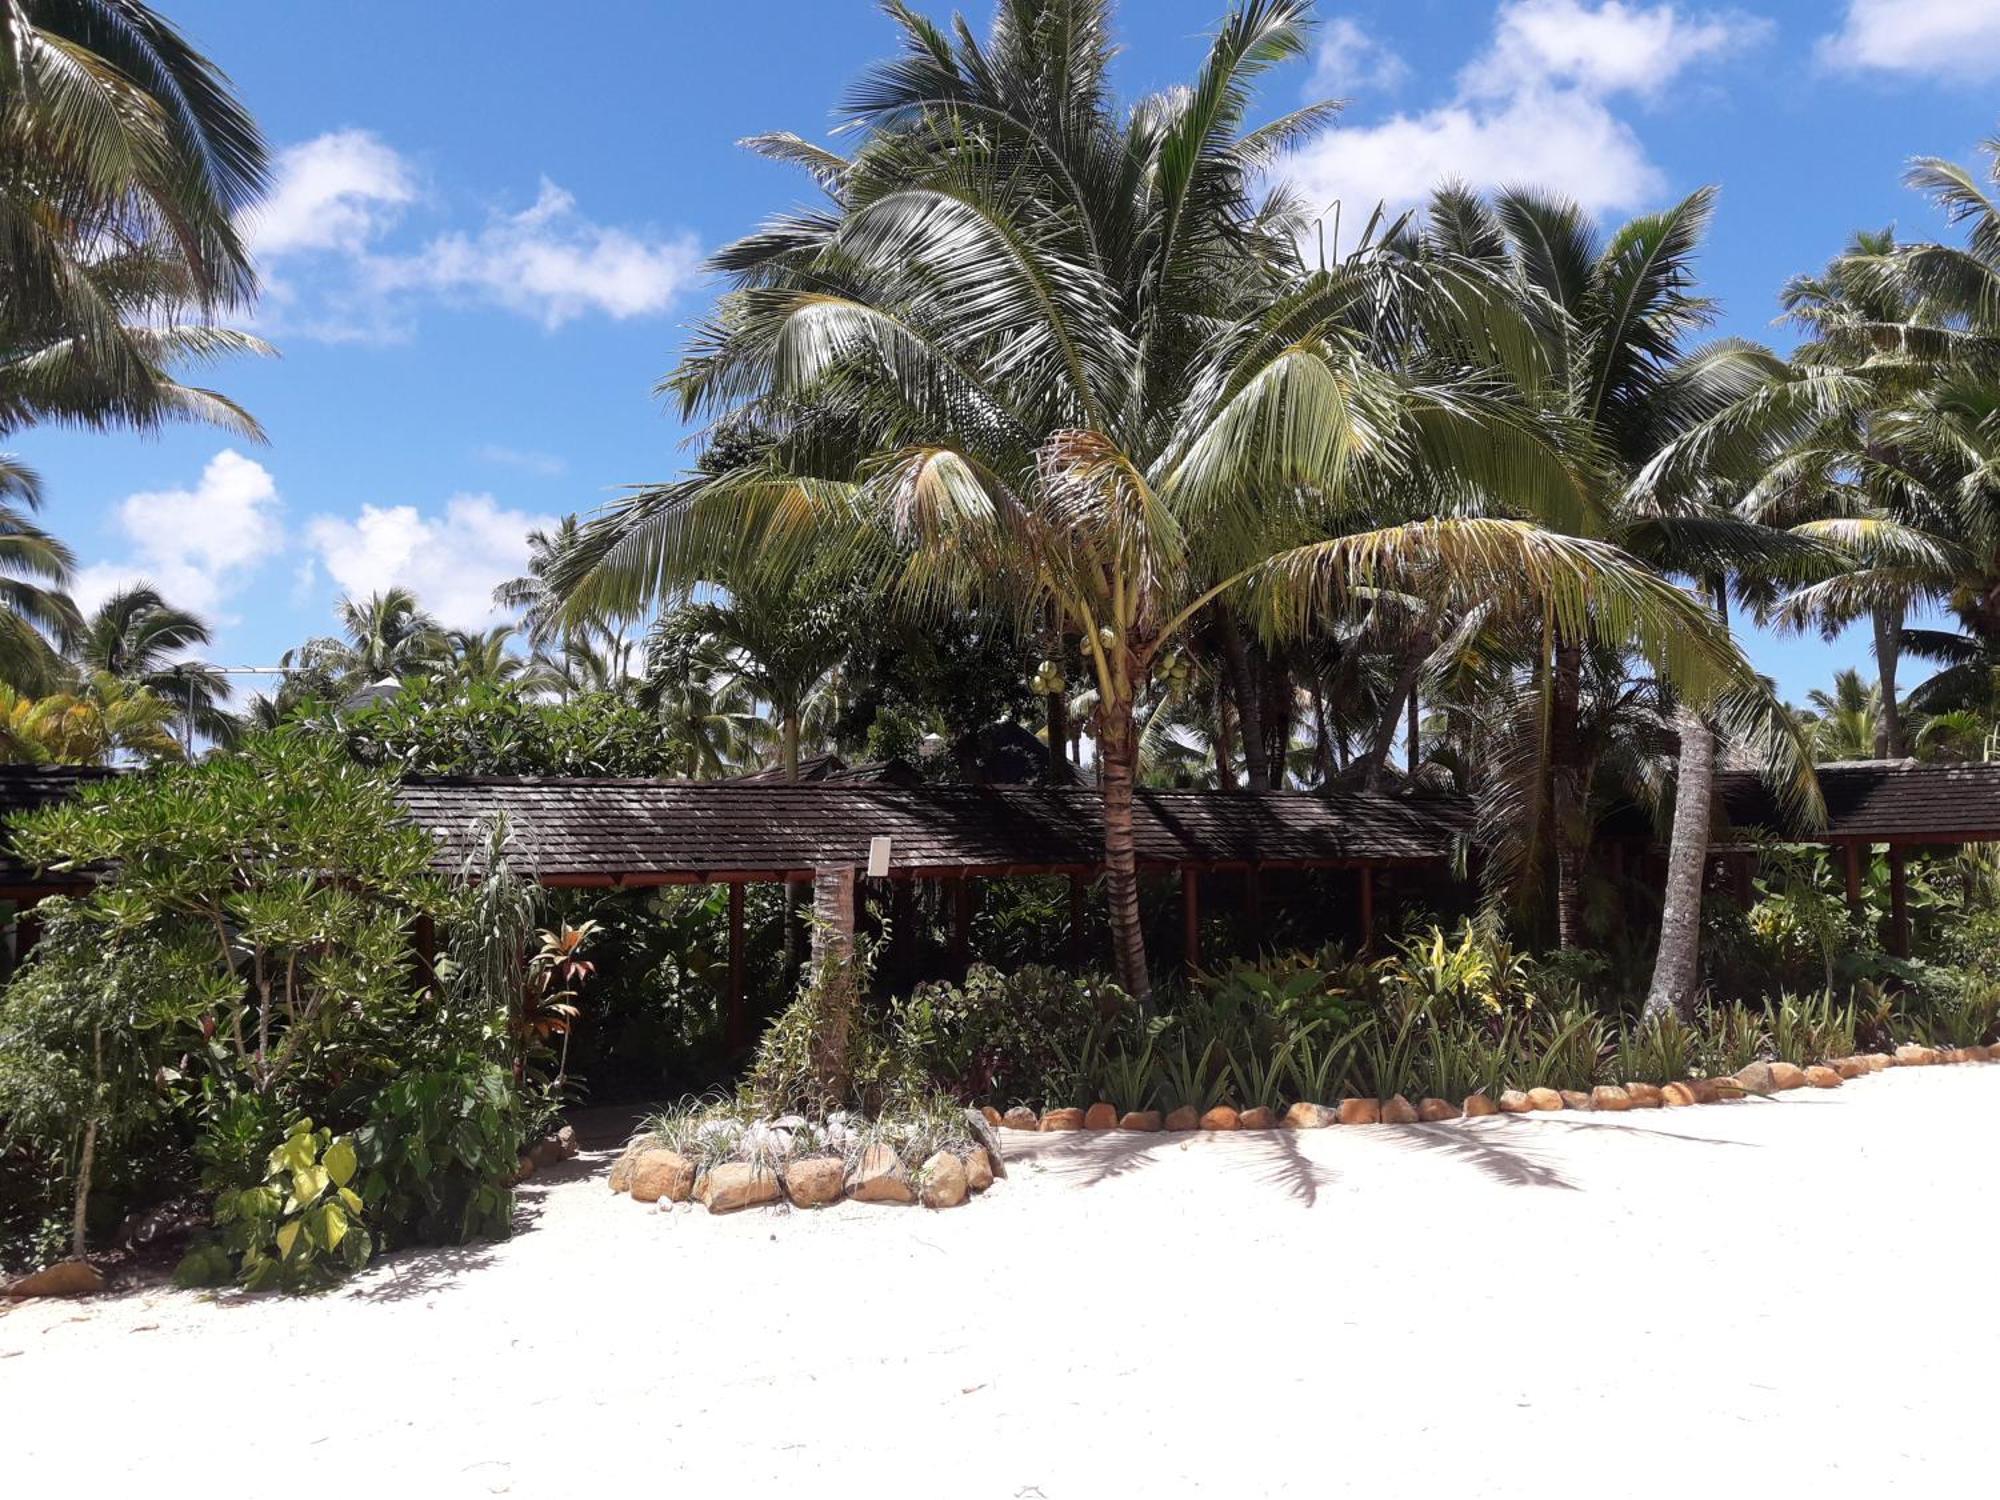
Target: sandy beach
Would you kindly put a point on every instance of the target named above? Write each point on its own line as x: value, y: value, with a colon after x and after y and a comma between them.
x: 1790, y: 1293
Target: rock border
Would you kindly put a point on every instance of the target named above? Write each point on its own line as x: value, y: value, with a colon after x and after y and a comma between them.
x: 652, y: 1173
x: 1761, y: 1079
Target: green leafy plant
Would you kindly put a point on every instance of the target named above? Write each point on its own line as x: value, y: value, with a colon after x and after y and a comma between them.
x: 1192, y: 1080
x: 440, y: 1148
x: 1130, y: 1077
x: 1564, y: 1051
x: 1476, y: 969
x: 1661, y: 1052
x: 300, y: 1229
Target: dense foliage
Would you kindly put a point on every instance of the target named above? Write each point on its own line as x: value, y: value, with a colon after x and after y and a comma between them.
x: 246, y: 963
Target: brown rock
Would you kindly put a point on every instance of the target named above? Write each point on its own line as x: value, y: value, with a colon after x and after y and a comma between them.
x: 1360, y: 1112
x: 1257, y: 1117
x: 734, y: 1185
x: 1101, y: 1116
x: 1910, y: 1055
x: 880, y: 1177
x: 943, y: 1179
x: 1979, y: 1054
x: 1437, y: 1111
x: 1478, y: 1104
x: 1643, y: 1095
x: 66, y: 1278
x: 1677, y: 1095
x: 1303, y: 1116
x: 993, y: 1116
x: 659, y: 1173
x: 524, y: 1168
x: 1140, y: 1119
x: 1850, y: 1067
x: 1610, y: 1096
x: 1822, y: 1078
x: 1758, y: 1078
x: 1183, y: 1118
x: 1222, y: 1117
x: 548, y: 1152
x: 1879, y: 1062
x: 816, y: 1181
x: 1575, y: 1099
x: 1398, y: 1111
x: 1514, y: 1102
x: 1788, y: 1075
x: 1063, y: 1119
x: 1545, y: 1099
x: 621, y: 1169
x: 978, y: 1170
x: 1020, y: 1117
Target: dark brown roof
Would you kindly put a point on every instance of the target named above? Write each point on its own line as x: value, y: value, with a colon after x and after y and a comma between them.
x: 593, y: 828
x: 25, y: 788
x: 1883, y: 801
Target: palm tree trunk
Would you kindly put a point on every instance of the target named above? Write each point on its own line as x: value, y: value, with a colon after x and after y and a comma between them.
x: 1566, y: 789
x: 87, y: 1157
x: 1385, y: 729
x: 788, y: 739
x: 1888, y: 650
x: 1411, y: 733
x: 1249, y: 707
x: 1677, y: 965
x: 1117, y: 754
x: 1225, y: 744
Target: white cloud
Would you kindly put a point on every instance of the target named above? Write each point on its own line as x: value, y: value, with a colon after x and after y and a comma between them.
x: 550, y: 263
x: 1959, y: 38
x: 194, y: 545
x: 1348, y: 61
x: 343, y: 260
x: 335, y: 192
x: 451, y: 562
x: 1601, y: 49
x: 1533, y: 107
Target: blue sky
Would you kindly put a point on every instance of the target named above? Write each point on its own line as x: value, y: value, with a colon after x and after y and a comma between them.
x: 485, y: 244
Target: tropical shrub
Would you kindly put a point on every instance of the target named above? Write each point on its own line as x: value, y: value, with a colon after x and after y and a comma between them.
x: 301, y: 1228
x: 1018, y: 1036
x: 497, y: 729
x: 438, y: 1151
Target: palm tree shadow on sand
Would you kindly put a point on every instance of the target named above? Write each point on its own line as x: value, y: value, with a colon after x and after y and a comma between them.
x: 1276, y: 1158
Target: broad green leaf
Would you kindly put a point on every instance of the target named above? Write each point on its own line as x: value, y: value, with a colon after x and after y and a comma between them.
x: 340, y: 1162
x: 352, y: 1199
x: 309, y: 1182
x: 288, y: 1237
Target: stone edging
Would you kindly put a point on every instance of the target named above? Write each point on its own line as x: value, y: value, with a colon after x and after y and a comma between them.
x: 658, y: 1174
x: 1758, y: 1078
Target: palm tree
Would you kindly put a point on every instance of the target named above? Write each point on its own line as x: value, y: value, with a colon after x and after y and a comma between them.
x: 137, y: 638
x: 1617, y: 315
x: 36, y: 617
x: 104, y: 719
x: 1844, y: 724
x: 126, y: 165
x: 780, y: 644
x: 385, y: 637
x: 1051, y: 354
x: 482, y: 656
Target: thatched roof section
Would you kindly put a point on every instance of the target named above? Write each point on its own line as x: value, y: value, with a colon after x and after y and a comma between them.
x: 1881, y: 802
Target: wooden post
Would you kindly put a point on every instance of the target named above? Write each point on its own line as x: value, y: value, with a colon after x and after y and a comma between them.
x: 1367, y: 908
x: 426, y: 943
x: 1191, y: 917
x: 1899, y: 903
x: 1253, y: 906
x: 961, y: 925
x: 734, y: 1028
x: 1077, y: 914
x: 903, y: 926
x: 1853, y: 852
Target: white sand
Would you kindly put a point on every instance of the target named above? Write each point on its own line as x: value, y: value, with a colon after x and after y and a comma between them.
x: 1793, y: 1295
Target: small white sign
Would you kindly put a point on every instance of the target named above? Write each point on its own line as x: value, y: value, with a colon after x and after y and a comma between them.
x: 878, y: 856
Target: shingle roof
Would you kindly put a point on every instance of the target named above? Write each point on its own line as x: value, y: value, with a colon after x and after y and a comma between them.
x: 1882, y: 801
x: 594, y: 828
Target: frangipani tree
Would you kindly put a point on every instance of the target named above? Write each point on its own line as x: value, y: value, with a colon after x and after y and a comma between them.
x: 1043, y: 356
